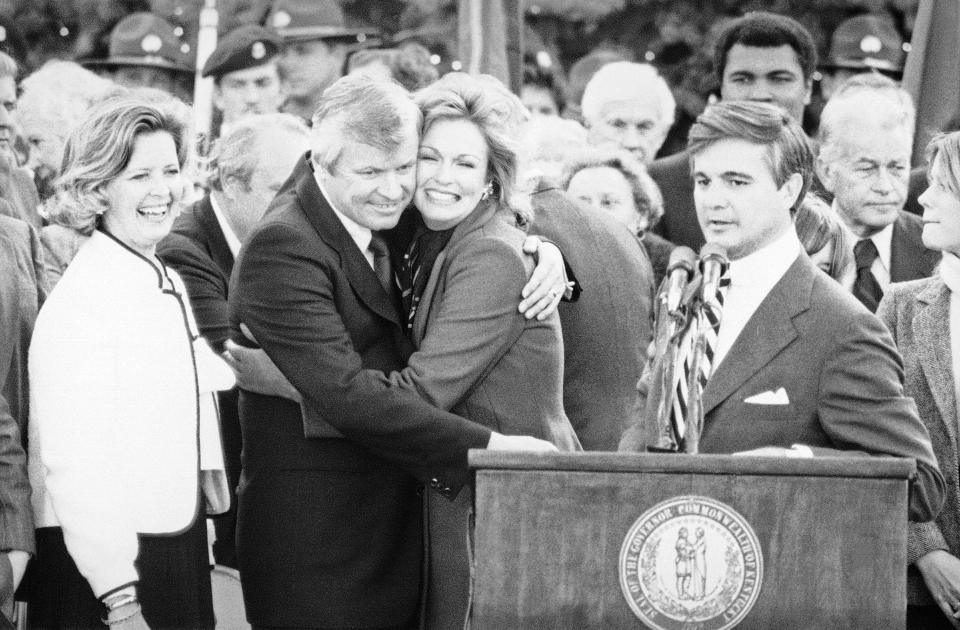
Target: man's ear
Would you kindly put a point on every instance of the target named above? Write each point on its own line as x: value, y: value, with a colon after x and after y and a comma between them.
x: 790, y: 191
x: 230, y: 186
x: 809, y: 92
x: 825, y: 172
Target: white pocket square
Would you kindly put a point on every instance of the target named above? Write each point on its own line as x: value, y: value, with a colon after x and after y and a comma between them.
x: 773, y: 397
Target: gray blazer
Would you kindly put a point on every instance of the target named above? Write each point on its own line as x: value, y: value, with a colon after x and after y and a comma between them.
x: 21, y: 294
x: 476, y: 354
x: 918, y: 315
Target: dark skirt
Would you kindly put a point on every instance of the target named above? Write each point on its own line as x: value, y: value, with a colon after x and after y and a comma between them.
x: 174, y: 586
x: 449, y: 583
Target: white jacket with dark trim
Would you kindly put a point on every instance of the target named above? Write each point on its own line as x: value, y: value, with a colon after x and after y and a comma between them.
x: 122, y: 415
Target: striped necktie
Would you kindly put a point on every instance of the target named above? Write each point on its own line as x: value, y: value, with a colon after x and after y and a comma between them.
x: 712, y: 312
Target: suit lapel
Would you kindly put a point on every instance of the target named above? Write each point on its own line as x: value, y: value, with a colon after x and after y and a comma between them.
x: 212, y: 234
x: 475, y: 220
x: 908, y: 255
x: 769, y: 330
x: 931, y: 328
x: 329, y: 228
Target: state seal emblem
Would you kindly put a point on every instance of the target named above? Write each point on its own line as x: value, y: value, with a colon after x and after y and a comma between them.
x: 691, y: 562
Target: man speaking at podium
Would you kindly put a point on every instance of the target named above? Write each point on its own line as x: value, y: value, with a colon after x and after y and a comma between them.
x: 802, y: 367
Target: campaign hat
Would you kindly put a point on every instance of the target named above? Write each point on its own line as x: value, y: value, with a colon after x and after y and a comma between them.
x: 306, y: 20
x: 866, y: 42
x: 144, y: 39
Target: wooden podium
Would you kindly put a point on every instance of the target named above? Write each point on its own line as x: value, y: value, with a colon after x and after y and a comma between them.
x: 689, y: 542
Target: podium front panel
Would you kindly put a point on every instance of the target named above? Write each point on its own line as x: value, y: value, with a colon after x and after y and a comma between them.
x: 550, y: 546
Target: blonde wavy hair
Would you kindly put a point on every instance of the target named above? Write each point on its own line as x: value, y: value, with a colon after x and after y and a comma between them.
x: 98, y: 150
x: 498, y: 114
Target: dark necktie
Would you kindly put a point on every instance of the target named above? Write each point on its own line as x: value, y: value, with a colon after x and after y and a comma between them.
x: 865, y: 287
x: 381, y: 263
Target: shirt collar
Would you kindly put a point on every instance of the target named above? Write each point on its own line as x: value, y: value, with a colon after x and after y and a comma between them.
x: 233, y: 243
x: 883, y: 239
x: 763, y: 268
x: 950, y: 272
x: 361, y: 235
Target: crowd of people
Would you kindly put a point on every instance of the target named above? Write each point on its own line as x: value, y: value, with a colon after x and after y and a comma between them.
x: 377, y: 269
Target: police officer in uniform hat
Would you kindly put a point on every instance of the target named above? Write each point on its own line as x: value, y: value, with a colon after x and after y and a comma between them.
x: 865, y: 43
x: 317, y: 42
x: 146, y: 52
x: 245, y: 73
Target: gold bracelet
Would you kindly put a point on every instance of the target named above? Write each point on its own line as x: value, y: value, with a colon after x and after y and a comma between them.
x: 121, y: 599
x: 113, y: 622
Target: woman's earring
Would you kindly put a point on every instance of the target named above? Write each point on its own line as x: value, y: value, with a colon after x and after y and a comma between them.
x: 487, y: 191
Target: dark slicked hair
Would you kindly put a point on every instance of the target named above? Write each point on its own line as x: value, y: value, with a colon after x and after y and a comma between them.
x: 760, y: 29
x: 788, y: 148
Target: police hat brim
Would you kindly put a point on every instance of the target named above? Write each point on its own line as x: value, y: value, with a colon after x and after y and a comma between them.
x: 338, y: 33
x: 880, y: 65
x: 124, y: 61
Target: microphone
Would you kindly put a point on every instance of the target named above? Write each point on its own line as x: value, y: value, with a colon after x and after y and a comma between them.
x: 713, y: 264
x: 679, y: 272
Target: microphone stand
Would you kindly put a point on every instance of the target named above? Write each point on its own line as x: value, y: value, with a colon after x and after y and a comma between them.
x: 691, y: 443
x: 669, y: 436
x: 713, y: 263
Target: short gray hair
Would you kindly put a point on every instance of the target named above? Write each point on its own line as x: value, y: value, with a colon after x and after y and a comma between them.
x: 627, y: 80
x: 360, y: 109
x: 647, y: 197
x: 8, y: 66
x: 865, y: 92
x: 58, y: 95
x: 235, y: 154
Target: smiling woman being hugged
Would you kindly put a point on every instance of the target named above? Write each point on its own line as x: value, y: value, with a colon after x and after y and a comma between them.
x: 461, y: 273
x: 124, y: 449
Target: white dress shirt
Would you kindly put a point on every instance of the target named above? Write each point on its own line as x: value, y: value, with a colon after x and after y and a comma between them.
x: 232, y: 241
x: 884, y: 242
x: 751, y: 279
x: 361, y: 235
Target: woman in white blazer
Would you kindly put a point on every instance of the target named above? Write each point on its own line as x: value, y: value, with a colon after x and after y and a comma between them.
x: 124, y: 445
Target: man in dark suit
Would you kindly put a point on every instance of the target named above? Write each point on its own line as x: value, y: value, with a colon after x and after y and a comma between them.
x: 605, y: 335
x: 866, y: 139
x: 202, y: 247
x: 329, y: 527
x: 799, y: 365
x: 21, y: 294
x: 761, y: 57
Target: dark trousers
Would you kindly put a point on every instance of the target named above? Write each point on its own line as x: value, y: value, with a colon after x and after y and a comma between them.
x: 927, y: 618
x: 174, y: 587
